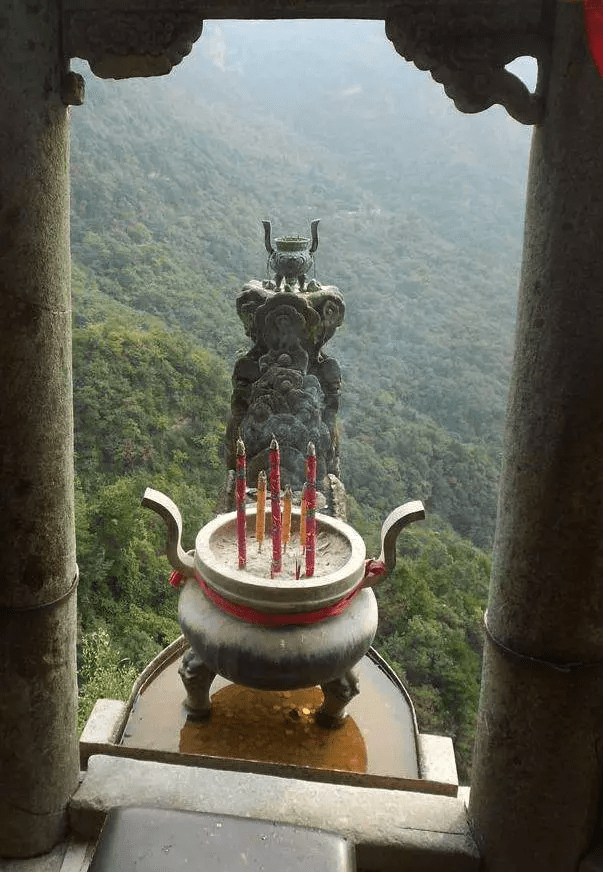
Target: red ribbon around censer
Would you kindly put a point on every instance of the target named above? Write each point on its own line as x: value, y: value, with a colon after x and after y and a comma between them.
x: 372, y: 569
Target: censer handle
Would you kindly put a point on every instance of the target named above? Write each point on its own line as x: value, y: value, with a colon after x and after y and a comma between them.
x: 170, y: 514
x: 268, y: 237
x: 393, y: 526
x: 314, y: 233
x: 377, y: 570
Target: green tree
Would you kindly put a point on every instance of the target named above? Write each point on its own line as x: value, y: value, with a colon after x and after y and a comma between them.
x: 103, y: 673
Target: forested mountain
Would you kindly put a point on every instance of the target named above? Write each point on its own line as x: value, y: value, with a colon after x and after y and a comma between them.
x: 420, y: 228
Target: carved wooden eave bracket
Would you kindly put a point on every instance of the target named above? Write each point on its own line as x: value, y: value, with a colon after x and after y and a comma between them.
x: 465, y: 52
x: 133, y: 39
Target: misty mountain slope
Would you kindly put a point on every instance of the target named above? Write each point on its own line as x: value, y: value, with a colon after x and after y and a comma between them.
x: 421, y: 211
x: 341, y: 84
x: 420, y: 218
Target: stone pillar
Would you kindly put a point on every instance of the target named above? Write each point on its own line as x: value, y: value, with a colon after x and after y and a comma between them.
x: 38, y: 693
x: 536, y: 789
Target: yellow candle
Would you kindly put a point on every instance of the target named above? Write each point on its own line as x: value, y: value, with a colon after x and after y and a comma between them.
x: 287, y: 500
x: 260, y: 518
x: 302, y: 520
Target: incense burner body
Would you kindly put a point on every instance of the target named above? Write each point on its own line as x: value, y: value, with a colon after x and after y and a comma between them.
x: 281, y: 633
x: 283, y: 658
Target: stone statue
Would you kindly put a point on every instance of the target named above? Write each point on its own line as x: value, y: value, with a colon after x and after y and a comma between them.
x: 286, y: 385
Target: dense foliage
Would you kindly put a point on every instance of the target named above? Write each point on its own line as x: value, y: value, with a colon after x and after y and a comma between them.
x: 430, y: 629
x: 169, y: 181
x: 149, y: 411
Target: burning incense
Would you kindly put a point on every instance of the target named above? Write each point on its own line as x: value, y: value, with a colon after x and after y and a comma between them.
x: 302, y: 520
x: 275, y: 505
x: 287, y: 501
x: 241, y: 493
x: 310, y: 510
x: 260, y: 518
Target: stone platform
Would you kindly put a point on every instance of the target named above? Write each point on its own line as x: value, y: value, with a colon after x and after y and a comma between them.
x: 395, y: 821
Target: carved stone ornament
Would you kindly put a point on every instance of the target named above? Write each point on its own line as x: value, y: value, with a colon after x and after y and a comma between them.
x: 467, y: 56
x: 120, y: 43
x: 286, y: 386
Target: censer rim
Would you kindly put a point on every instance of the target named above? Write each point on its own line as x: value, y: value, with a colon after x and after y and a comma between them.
x: 280, y: 595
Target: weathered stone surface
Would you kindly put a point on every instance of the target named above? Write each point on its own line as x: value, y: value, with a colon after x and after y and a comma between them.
x: 436, y: 754
x: 286, y: 386
x: 50, y: 862
x: 535, y: 795
x: 391, y: 829
x: 512, y: 14
x: 124, y: 39
x: 467, y: 50
x: 101, y: 728
x: 38, y: 694
x: 104, y: 721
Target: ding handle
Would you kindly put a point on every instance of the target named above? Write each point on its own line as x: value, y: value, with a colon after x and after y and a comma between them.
x: 396, y: 521
x: 170, y: 514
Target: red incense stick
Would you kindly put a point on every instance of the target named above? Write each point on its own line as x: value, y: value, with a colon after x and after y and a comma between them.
x: 241, y: 493
x: 275, y: 505
x: 310, y: 510
x: 302, y: 521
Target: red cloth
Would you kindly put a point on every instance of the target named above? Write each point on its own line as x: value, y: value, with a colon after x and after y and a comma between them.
x: 176, y: 578
x: 276, y: 619
x: 372, y: 569
x: 593, y: 20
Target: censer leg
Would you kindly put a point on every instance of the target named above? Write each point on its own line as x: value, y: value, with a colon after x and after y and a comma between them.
x: 337, y: 694
x: 196, y: 678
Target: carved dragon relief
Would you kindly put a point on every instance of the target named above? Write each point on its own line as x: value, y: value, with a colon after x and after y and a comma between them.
x: 119, y: 43
x: 464, y: 54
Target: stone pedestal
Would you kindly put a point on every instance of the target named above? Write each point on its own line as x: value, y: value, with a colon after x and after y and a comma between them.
x: 536, y: 791
x: 38, y: 693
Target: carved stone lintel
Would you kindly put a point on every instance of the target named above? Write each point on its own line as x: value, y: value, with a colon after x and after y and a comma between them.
x: 120, y: 43
x: 465, y: 55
